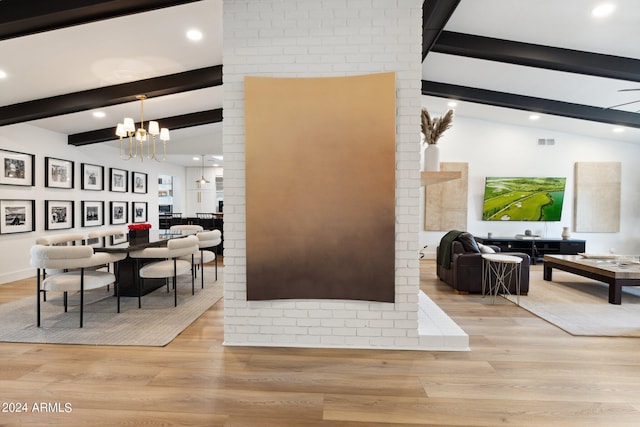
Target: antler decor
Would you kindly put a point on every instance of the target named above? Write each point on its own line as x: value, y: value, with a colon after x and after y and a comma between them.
x: 433, y: 129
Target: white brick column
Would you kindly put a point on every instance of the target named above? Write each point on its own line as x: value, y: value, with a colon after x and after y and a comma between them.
x: 317, y: 38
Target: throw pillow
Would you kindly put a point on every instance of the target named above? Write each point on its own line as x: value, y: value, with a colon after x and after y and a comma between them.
x: 485, y: 249
x: 468, y: 242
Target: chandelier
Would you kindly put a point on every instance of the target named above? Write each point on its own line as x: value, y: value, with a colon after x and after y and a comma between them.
x: 141, y: 137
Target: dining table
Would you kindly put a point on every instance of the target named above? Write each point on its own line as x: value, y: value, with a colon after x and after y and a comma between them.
x: 126, y: 270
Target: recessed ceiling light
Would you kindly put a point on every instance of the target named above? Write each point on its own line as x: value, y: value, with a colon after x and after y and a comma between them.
x: 618, y: 129
x: 99, y: 114
x: 194, y: 35
x: 603, y: 10
x: 196, y: 159
x: 3, y: 74
x: 534, y: 117
x: 452, y: 104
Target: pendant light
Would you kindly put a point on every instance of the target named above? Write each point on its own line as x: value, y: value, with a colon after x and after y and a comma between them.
x: 202, y: 179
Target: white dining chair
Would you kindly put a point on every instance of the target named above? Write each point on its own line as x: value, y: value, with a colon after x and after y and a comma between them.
x: 170, y: 266
x: 77, y: 275
x: 207, y: 240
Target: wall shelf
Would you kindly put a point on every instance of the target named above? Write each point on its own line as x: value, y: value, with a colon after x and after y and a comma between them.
x: 433, y: 177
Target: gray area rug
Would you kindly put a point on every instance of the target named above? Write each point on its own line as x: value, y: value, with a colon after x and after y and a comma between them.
x: 580, y: 306
x: 157, y: 323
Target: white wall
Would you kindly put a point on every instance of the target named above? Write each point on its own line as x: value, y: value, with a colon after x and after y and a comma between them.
x: 496, y: 149
x: 14, y: 262
x: 314, y: 39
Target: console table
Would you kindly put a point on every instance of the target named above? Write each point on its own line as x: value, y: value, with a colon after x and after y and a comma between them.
x: 536, y: 247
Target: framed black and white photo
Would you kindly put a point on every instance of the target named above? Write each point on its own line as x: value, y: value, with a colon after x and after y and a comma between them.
x: 138, y: 182
x: 58, y: 214
x: 118, y: 238
x: 58, y: 173
x: 92, y: 213
x: 17, y: 168
x: 17, y: 216
x: 118, y: 180
x: 119, y: 212
x: 92, y: 177
x: 139, y: 211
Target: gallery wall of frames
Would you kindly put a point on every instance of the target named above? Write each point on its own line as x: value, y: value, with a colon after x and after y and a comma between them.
x: 19, y: 215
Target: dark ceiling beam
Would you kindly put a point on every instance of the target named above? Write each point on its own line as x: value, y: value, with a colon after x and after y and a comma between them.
x: 435, y: 14
x: 532, y: 55
x: 528, y: 103
x: 23, y: 17
x: 173, y: 123
x: 110, y: 95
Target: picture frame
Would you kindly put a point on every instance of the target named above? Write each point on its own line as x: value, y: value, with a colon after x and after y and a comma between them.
x: 58, y: 173
x: 17, y: 168
x: 119, y: 213
x: 118, y: 180
x: 92, y: 213
x: 17, y: 216
x: 92, y: 177
x: 116, y: 239
x: 139, y: 182
x: 58, y: 214
x: 138, y: 212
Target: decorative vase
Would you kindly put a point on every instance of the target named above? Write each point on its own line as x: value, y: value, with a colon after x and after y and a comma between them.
x: 431, y: 158
x: 565, y: 233
x: 138, y: 236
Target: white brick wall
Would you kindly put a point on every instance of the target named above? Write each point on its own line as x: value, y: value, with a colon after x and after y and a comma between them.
x: 317, y: 38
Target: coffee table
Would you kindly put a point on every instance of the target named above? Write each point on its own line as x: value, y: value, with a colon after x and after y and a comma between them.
x: 604, y: 270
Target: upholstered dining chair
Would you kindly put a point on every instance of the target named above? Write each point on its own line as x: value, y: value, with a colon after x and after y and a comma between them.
x: 76, y: 263
x: 114, y: 257
x: 64, y: 239
x: 170, y: 266
x: 206, y: 240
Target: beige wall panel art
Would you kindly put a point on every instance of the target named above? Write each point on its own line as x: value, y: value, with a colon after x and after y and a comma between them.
x: 320, y: 187
x: 446, y: 202
x: 597, y: 197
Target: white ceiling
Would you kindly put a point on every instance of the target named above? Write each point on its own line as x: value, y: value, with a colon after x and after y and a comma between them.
x: 153, y: 44
x: 566, y: 24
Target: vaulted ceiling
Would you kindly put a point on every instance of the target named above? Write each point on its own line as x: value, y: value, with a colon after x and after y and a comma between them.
x: 500, y: 60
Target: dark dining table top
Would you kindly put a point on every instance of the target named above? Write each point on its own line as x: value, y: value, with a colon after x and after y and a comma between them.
x: 120, y: 243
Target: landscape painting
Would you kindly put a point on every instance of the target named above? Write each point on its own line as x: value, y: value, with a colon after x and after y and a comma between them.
x: 523, y: 199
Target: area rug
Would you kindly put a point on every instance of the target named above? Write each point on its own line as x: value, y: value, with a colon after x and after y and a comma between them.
x: 580, y: 306
x: 157, y: 323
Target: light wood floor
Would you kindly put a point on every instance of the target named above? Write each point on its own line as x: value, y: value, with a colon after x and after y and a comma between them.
x: 521, y: 371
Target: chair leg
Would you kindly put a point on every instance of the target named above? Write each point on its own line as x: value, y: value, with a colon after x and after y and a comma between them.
x: 38, y: 294
x: 175, y: 282
x: 202, y: 268
x: 66, y: 299
x: 193, y: 289
x: 216, y: 260
x: 81, y: 295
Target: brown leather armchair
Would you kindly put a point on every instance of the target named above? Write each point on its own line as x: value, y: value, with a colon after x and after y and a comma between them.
x: 465, y: 270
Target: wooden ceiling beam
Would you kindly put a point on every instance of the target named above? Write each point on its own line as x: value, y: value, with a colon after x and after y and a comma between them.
x: 110, y: 95
x: 173, y: 123
x: 435, y: 14
x: 23, y: 17
x: 529, y: 103
x: 532, y: 55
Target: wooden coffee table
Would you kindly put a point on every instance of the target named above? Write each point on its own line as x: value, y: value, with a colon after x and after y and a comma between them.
x: 603, y: 270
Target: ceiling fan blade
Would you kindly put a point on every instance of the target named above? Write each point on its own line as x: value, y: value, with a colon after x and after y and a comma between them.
x: 628, y: 90
x: 621, y: 105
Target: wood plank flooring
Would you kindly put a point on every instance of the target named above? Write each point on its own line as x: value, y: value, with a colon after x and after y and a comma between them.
x: 521, y: 371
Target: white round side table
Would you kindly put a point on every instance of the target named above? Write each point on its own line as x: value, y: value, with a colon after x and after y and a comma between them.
x: 497, y: 270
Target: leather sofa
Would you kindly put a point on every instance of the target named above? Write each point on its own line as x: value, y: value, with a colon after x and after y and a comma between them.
x: 464, y: 274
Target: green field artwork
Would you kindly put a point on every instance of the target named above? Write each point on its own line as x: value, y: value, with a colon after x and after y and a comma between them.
x: 523, y: 199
